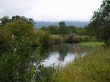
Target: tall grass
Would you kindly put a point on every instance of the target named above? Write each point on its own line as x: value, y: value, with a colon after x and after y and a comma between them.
x: 94, y: 67
x: 56, y: 40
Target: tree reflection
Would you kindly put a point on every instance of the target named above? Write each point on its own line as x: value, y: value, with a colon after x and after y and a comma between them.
x: 63, y: 52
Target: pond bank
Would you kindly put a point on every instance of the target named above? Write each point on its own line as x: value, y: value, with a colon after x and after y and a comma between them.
x: 94, y: 67
x: 92, y: 44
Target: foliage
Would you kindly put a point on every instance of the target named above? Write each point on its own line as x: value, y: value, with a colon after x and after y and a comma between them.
x: 80, y: 31
x: 16, y: 63
x: 54, y: 30
x: 62, y: 28
x: 100, y: 24
x: 40, y: 37
x: 70, y: 38
x: 83, y: 38
x: 71, y: 29
x: 45, y: 74
x: 5, y: 37
x: 6, y: 19
x: 19, y: 61
x: 22, y: 63
x: 19, y: 28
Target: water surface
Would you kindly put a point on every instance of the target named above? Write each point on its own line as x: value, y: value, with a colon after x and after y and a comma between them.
x: 61, y: 55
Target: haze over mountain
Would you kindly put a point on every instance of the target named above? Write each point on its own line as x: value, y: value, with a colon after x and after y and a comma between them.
x: 72, y: 23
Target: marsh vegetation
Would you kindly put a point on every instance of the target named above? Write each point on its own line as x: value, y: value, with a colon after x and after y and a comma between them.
x: 27, y: 54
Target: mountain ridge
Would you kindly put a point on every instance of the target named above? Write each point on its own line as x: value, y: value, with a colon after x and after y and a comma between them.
x: 40, y: 24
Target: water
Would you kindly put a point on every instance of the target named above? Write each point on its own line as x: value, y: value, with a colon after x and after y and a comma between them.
x: 61, y: 55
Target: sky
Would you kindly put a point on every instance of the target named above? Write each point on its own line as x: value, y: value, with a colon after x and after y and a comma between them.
x: 50, y: 10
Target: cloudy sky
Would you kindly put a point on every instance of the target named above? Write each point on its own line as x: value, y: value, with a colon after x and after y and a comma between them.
x: 50, y: 10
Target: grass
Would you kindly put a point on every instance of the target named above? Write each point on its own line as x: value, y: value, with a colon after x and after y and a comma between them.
x: 92, y: 43
x: 94, y: 67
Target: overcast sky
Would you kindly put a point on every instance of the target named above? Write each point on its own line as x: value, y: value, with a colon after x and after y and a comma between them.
x: 50, y: 10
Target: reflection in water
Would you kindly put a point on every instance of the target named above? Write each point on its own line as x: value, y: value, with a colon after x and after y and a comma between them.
x: 54, y: 59
x: 63, y: 50
x: 63, y: 54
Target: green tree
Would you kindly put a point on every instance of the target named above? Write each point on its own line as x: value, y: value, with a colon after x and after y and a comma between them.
x: 4, y: 20
x: 53, y: 30
x: 19, y: 28
x: 16, y: 28
x: 81, y: 31
x: 28, y: 20
x: 100, y: 23
x: 71, y: 29
x: 44, y: 28
x: 62, y: 28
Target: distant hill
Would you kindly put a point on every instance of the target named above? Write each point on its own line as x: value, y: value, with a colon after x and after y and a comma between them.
x: 73, y: 23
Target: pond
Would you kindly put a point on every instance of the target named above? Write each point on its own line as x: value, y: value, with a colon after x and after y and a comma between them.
x: 61, y: 55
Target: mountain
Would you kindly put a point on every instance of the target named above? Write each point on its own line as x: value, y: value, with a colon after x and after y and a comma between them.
x: 72, y: 23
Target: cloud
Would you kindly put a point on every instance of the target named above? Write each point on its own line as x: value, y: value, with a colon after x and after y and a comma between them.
x: 50, y: 10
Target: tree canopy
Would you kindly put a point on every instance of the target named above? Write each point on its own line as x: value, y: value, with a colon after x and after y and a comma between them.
x: 6, y: 19
x: 100, y: 23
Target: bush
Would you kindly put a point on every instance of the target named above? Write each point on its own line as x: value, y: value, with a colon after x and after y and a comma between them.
x: 45, y: 74
x: 56, y: 40
x: 40, y: 37
x: 84, y: 38
x: 19, y: 61
x: 78, y: 38
x: 5, y: 38
x: 69, y: 38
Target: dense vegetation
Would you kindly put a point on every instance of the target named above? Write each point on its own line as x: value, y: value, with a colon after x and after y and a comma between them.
x: 100, y: 23
x: 19, y: 58
x: 68, y: 34
x: 20, y: 44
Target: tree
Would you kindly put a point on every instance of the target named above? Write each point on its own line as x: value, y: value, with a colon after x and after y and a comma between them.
x: 14, y: 18
x: 16, y: 27
x: 19, y: 28
x: 62, y: 28
x: 4, y: 20
x: 53, y: 30
x: 71, y: 29
x: 100, y: 23
x: 16, y: 54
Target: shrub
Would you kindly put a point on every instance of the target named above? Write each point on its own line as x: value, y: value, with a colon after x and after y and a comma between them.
x: 84, y: 38
x: 45, y: 74
x: 5, y: 38
x: 69, y: 38
x: 55, y: 40
x: 40, y: 37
